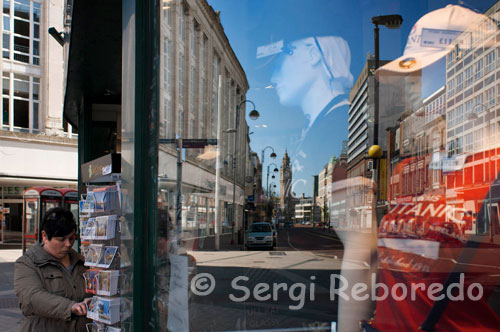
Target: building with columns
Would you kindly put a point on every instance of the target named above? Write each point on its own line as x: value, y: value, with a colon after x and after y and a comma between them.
x: 37, y: 147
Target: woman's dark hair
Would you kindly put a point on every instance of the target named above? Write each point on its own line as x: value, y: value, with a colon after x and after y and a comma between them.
x: 57, y: 222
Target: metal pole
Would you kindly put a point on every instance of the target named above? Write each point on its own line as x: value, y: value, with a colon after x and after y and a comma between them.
x: 267, y: 181
x: 218, y: 229
x: 376, y: 97
x: 178, y: 212
x: 234, y: 169
x: 244, y: 195
x: 376, y: 161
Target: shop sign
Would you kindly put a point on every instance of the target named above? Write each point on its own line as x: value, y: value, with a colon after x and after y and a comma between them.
x: 6, y: 210
x: 14, y: 191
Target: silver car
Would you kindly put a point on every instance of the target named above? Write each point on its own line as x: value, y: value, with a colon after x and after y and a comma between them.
x: 260, y: 235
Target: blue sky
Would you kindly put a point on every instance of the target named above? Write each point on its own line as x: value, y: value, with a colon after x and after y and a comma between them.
x: 252, y: 23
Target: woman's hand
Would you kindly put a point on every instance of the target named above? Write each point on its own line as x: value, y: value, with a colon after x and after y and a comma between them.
x: 79, y: 309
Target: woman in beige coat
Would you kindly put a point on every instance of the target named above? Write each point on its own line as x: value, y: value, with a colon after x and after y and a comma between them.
x: 48, y: 278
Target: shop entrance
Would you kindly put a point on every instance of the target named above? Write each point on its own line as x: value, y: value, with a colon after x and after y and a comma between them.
x: 11, y: 217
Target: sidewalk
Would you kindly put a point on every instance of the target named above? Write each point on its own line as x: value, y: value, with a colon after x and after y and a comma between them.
x: 10, y: 314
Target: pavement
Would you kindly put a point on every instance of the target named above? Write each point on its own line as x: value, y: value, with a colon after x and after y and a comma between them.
x: 10, y: 314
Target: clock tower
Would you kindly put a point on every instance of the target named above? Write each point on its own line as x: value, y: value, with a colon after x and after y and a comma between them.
x: 286, y: 185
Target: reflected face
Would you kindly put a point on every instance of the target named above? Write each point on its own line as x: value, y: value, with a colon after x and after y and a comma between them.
x: 58, y: 246
x: 291, y: 77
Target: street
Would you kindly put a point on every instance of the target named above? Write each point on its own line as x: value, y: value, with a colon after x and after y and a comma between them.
x: 10, y: 314
x: 288, y: 287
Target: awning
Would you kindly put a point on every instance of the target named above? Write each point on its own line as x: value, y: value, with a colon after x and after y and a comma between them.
x: 93, y: 74
x: 25, y: 181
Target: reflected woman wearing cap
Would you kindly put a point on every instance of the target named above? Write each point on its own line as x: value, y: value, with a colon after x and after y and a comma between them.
x: 313, y: 73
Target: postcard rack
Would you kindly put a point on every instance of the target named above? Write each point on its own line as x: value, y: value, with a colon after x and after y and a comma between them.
x: 106, y: 243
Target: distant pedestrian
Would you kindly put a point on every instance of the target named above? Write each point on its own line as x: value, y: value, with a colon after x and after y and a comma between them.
x: 48, y: 278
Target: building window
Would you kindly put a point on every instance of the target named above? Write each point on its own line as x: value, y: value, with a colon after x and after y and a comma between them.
x: 166, y: 64
x: 459, y: 145
x: 468, y: 76
x: 468, y: 142
x: 22, y: 114
x: 478, y: 101
x: 181, y: 78
x: 468, y: 108
x: 21, y: 42
x: 459, y: 115
x: 451, y: 148
x: 451, y: 88
x: 478, y: 69
x: 478, y: 139
x: 451, y: 118
x: 490, y: 61
x: 490, y: 97
x: 460, y: 82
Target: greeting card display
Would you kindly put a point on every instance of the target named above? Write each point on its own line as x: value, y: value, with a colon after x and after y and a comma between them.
x: 88, y: 229
x: 107, y: 282
x: 84, y: 248
x: 106, y: 235
x: 113, y: 329
x: 107, y: 257
x: 105, y: 227
x: 87, y: 205
x: 104, y: 310
x: 96, y: 327
x: 91, y: 280
x: 106, y: 198
x: 94, y: 255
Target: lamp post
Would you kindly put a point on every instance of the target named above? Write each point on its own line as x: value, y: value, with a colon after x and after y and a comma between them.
x: 274, y: 171
x: 390, y: 22
x: 254, y: 115
x: 273, y: 156
x: 473, y: 116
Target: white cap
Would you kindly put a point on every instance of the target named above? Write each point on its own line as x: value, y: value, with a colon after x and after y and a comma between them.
x: 432, y: 37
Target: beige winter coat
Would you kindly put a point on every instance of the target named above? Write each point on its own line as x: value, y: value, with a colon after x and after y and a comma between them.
x: 46, y: 291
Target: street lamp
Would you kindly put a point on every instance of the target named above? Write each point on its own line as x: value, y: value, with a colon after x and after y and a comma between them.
x: 275, y: 170
x: 254, y: 115
x: 473, y: 116
x: 390, y: 22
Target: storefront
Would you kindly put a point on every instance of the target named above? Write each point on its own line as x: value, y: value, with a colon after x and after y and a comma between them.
x: 172, y: 87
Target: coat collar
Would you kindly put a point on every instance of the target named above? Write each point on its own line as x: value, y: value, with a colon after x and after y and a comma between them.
x: 40, y: 257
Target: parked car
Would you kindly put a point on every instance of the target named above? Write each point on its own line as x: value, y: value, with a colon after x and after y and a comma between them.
x: 288, y: 224
x: 260, y: 235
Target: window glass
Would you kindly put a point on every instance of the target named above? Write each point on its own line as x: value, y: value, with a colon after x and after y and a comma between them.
x: 6, y: 23
x: 36, y: 90
x: 36, y: 12
x: 21, y: 87
x: 22, y: 28
x: 22, y: 9
x: 5, y: 85
x: 21, y: 113
x: 5, y: 112
x: 321, y: 186
x: 36, y: 116
x: 6, y: 6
